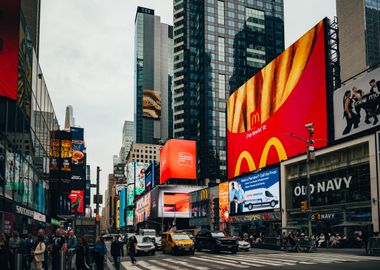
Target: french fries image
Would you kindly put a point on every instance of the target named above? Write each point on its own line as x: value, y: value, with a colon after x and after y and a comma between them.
x: 268, y: 89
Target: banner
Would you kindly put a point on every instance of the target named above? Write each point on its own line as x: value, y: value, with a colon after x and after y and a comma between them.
x: 140, y: 177
x: 149, y: 177
x: 357, y: 105
x: 118, y: 171
x: 277, y: 102
x: 130, y: 218
x: 78, y: 159
x: 255, y: 192
x: 223, y: 203
x: 122, y: 207
x: 130, y: 195
x: 117, y: 214
x: 131, y: 173
x: 77, y: 201
x: 151, y: 104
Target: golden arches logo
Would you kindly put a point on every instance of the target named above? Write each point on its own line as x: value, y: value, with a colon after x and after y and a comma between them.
x: 276, y: 143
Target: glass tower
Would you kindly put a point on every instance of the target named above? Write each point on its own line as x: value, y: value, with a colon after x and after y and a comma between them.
x: 372, y: 20
x: 218, y: 45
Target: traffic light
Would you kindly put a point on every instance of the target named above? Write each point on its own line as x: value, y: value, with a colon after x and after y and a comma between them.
x: 304, y: 206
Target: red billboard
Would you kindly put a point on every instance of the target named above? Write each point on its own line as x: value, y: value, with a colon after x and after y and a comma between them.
x: 178, y: 160
x: 279, y: 100
x: 77, y: 201
x: 9, y: 45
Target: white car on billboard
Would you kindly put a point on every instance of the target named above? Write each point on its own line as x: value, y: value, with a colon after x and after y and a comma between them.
x: 260, y: 198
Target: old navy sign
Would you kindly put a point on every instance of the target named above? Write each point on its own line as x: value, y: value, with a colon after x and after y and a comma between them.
x: 334, y: 184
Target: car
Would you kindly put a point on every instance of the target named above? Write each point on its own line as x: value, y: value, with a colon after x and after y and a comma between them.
x: 145, y: 245
x: 177, y: 243
x: 215, y: 242
x: 244, y: 245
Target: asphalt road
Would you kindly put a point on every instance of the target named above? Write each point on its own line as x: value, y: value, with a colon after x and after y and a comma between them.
x: 264, y: 259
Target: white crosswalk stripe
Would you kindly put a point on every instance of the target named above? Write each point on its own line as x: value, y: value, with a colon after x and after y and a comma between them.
x: 205, y: 259
x: 183, y: 263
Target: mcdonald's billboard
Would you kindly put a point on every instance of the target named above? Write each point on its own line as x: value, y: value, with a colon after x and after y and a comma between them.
x: 279, y: 100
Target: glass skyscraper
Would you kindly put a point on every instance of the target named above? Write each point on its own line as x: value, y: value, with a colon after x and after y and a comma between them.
x: 153, y: 78
x: 218, y: 45
x: 372, y: 20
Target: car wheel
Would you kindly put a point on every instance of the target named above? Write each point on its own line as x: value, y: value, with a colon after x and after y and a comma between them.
x: 214, y: 249
x: 199, y: 249
x: 272, y: 204
x: 250, y: 206
x: 234, y: 251
x: 192, y: 252
x: 152, y: 253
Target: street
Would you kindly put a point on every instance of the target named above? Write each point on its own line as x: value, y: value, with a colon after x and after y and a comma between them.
x: 267, y: 259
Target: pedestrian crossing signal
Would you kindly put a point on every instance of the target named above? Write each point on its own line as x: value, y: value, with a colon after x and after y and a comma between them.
x: 304, y: 206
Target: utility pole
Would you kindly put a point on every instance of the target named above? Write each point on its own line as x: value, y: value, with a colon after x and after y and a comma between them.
x: 97, y: 219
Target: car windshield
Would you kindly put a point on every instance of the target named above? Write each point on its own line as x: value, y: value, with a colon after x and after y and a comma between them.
x: 218, y: 234
x: 181, y: 237
x: 268, y: 194
x: 147, y: 240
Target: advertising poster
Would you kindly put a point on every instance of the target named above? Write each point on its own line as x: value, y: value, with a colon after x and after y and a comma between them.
x: 357, y: 105
x: 117, y: 214
x: 26, y: 180
x: 130, y: 218
x: 130, y: 195
x: 10, y: 36
x: 255, y: 192
x: 149, y: 177
x: 176, y: 203
x: 118, y: 171
x: 142, y: 211
x: 122, y: 207
x: 77, y: 201
x: 223, y: 203
x: 140, y: 177
x: 131, y: 173
x: 66, y: 151
x: 54, y: 154
x: 9, y: 174
x: 78, y: 159
x: 178, y: 160
x: 151, y: 104
x: 279, y: 100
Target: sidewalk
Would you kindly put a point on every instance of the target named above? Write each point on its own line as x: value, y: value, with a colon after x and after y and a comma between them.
x: 350, y: 251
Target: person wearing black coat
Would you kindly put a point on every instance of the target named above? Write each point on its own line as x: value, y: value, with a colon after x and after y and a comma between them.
x: 82, y: 255
x: 116, y: 251
x: 4, y: 253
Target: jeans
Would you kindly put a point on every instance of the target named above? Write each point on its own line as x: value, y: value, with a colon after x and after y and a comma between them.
x: 116, y: 260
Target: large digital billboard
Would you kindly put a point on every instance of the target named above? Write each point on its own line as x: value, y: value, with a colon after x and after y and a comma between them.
x: 77, y: 201
x: 178, y: 160
x: 142, y: 210
x: 78, y: 158
x: 279, y: 100
x: 255, y: 192
x: 223, y: 202
x: 357, y: 105
x: 9, y: 47
x: 140, y: 177
x: 151, y: 104
x: 130, y: 195
x: 176, y: 202
x: 149, y: 176
x: 130, y: 172
x: 122, y: 198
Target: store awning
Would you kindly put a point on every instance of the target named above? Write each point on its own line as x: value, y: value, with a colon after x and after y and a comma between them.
x: 352, y: 224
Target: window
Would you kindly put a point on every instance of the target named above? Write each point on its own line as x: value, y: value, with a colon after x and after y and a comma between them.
x: 221, y: 51
x: 220, y: 12
x: 221, y: 86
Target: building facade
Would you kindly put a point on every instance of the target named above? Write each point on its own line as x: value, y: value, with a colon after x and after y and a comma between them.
x: 145, y: 153
x: 153, y: 78
x: 127, y: 139
x: 360, y: 35
x: 218, y: 45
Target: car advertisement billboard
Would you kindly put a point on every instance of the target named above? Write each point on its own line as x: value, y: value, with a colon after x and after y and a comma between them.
x: 279, y: 100
x: 255, y: 192
x: 9, y: 47
x: 76, y: 201
x: 140, y: 177
x: 223, y: 202
x: 178, y: 160
x: 122, y: 207
x: 151, y: 104
x: 357, y: 105
x: 142, y: 210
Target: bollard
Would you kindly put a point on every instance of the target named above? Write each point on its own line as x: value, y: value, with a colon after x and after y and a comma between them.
x: 62, y: 260
x: 18, y: 261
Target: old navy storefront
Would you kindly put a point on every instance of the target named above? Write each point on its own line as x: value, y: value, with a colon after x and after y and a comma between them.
x: 344, y: 189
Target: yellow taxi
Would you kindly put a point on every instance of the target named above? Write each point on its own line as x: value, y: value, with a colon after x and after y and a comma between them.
x: 177, y: 243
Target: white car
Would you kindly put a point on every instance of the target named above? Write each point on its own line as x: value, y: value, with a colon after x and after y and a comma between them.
x: 244, y: 245
x: 145, y: 245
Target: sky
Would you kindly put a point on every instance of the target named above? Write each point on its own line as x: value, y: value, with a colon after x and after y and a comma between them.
x: 86, y: 55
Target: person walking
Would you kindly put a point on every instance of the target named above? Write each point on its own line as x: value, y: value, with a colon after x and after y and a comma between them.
x: 100, y: 253
x: 72, y: 244
x: 82, y: 254
x: 132, y: 245
x: 4, y: 253
x: 116, y: 251
x: 41, y: 234
x: 39, y: 253
x: 57, y: 246
x: 14, y: 247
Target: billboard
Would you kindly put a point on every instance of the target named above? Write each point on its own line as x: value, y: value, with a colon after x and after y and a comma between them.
x: 130, y: 195
x: 176, y: 202
x: 118, y: 171
x: 76, y: 201
x: 178, y: 160
x: 122, y: 207
x: 9, y: 47
x: 130, y: 218
x: 149, y: 176
x: 140, y: 177
x: 142, y: 211
x: 357, y: 105
x: 130, y: 172
x: 279, y: 100
x: 255, y: 192
x: 151, y: 104
x: 223, y: 202
x: 78, y: 158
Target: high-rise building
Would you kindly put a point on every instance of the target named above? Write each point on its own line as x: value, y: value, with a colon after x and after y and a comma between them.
x: 218, y: 45
x: 32, y: 10
x: 153, y: 77
x: 359, y: 32
x: 127, y: 139
x: 69, y: 118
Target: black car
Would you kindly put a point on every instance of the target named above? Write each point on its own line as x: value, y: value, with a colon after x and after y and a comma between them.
x: 215, y: 242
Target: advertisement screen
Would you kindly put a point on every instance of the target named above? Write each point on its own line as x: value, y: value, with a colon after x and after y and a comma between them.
x: 9, y: 46
x: 176, y: 203
x: 130, y: 195
x: 122, y: 207
x: 255, y: 192
x: 357, y: 105
x: 131, y: 173
x: 140, y: 177
x: 178, y: 160
x: 223, y: 202
x: 149, y: 176
x: 279, y: 100
x: 66, y: 151
x: 117, y: 214
x: 77, y: 201
x: 78, y: 158
x: 130, y: 218
x: 151, y: 104
x: 142, y: 211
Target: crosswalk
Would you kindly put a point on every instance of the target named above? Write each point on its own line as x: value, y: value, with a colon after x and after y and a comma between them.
x: 207, y: 261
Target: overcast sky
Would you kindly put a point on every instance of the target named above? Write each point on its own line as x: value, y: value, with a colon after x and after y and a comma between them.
x: 86, y: 54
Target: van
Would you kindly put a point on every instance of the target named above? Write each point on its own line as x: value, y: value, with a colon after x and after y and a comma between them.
x: 261, y: 198
x: 176, y: 243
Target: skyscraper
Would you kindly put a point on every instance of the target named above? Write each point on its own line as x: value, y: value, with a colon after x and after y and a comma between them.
x: 153, y: 77
x: 218, y: 45
x: 359, y: 32
x: 127, y: 140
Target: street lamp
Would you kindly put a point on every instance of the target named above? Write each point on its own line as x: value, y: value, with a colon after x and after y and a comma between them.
x: 309, y: 150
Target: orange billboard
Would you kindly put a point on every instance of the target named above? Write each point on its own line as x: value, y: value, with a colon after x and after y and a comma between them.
x: 178, y: 160
x: 223, y: 202
x: 177, y: 202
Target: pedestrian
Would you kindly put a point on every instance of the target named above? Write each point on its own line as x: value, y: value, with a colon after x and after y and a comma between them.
x: 116, y: 251
x: 132, y: 245
x: 57, y: 245
x: 39, y: 253
x: 72, y: 244
x: 14, y: 248
x: 41, y: 234
x: 4, y: 253
x: 100, y: 253
x: 82, y: 254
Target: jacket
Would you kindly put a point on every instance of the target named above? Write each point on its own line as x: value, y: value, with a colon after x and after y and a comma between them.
x: 39, y: 252
x: 117, y: 249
